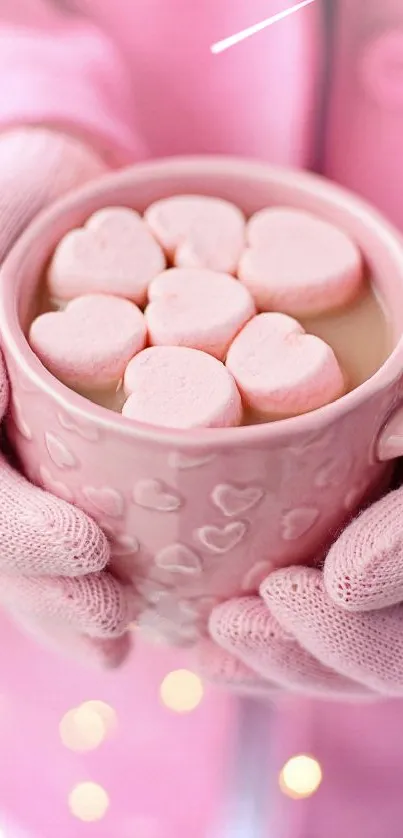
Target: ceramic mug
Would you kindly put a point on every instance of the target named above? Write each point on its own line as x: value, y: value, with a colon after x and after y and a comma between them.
x: 196, y: 517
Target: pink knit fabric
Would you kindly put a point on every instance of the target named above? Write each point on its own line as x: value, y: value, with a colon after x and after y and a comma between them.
x: 364, y: 569
x: 137, y: 79
x: 366, y: 647
x: 52, y: 577
x: 225, y: 670
x: 65, y: 73
x: 39, y: 535
x: 246, y: 628
x: 335, y: 633
x: 95, y: 605
x: 52, y: 557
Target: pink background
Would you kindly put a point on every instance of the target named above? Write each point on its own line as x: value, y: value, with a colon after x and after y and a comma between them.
x: 166, y: 774
x: 153, y: 766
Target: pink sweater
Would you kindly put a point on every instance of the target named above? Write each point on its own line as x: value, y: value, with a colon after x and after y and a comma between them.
x: 137, y: 76
x: 137, y: 79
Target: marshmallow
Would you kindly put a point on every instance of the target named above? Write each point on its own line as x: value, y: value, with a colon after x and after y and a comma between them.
x: 114, y: 253
x: 197, y: 308
x: 198, y: 232
x: 298, y: 264
x: 89, y: 344
x: 177, y: 387
x: 282, y: 371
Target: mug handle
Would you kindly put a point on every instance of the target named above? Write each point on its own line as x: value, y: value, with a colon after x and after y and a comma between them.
x: 390, y: 441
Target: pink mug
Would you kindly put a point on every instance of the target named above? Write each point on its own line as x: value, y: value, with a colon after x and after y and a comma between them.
x: 196, y: 517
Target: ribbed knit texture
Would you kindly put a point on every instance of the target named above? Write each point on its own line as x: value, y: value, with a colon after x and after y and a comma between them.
x: 333, y: 633
x: 53, y: 559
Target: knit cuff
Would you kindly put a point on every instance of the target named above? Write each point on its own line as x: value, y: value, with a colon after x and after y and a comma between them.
x: 73, y: 81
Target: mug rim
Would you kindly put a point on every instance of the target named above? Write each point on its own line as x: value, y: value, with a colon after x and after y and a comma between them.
x: 17, y: 345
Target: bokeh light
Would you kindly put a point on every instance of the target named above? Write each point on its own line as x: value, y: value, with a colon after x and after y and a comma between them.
x: 181, y: 691
x: 300, y: 777
x: 104, y: 710
x: 88, y: 801
x: 84, y: 728
x: 81, y: 730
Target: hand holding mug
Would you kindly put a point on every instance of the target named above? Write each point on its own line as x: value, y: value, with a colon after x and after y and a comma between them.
x: 52, y: 556
x: 195, y: 519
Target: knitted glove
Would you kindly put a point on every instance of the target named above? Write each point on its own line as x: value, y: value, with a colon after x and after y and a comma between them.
x: 52, y: 557
x: 336, y: 632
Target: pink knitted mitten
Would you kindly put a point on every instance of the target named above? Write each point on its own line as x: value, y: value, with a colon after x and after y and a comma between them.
x: 52, y: 557
x: 52, y: 569
x: 336, y: 633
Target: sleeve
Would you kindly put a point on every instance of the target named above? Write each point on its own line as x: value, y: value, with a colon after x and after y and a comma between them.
x: 65, y: 73
x: 364, y: 142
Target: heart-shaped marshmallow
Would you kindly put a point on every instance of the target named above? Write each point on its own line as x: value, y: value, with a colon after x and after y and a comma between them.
x: 282, y: 371
x: 177, y: 387
x: 114, y: 253
x: 198, y: 231
x: 198, y: 308
x: 89, y: 344
x: 298, y: 264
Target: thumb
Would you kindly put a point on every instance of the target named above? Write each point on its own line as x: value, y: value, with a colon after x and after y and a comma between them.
x: 364, y: 568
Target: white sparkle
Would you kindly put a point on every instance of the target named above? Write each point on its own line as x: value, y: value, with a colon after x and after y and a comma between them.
x: 220, y: 46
